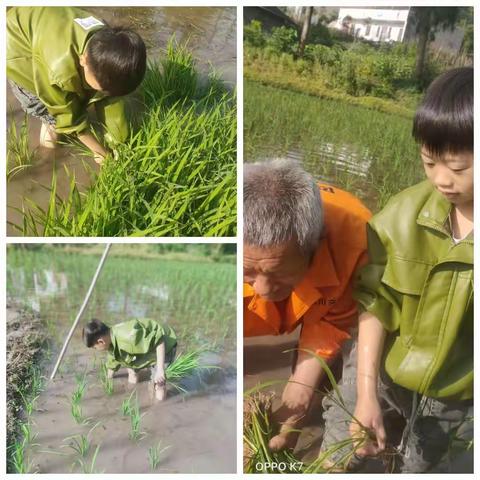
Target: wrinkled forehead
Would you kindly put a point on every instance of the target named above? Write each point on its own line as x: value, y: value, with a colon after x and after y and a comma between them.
x: 286, y: 255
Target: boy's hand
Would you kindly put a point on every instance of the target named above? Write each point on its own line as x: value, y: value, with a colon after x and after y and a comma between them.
x: 160, y: 378
x: 99, y: 158
x: 369, y: 414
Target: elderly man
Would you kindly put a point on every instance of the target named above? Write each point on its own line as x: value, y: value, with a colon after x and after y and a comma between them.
x: 303, y: 243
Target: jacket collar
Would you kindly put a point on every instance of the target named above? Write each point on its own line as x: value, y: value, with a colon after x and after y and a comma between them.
x: 435, y: 212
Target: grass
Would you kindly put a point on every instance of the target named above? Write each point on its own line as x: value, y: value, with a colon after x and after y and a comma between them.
x: 127, y: 406
x: 19, y: 154
x: 175, y: 175
x: 89, y: 467
x: 77, y: 397
x: 371, y: 154
x: 107, y: 383
x: 154, y: 455
x: 184, y: 365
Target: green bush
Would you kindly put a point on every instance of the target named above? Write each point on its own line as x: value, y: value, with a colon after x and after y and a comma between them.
x: 253, y: 34
x: 320, y: 34
x: 283, y: 40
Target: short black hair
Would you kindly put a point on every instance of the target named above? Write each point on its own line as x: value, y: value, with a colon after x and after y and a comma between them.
x: 93, y: 330
x: 444, y: 120
x: 118, y: 58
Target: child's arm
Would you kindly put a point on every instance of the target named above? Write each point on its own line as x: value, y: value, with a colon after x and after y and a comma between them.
x: 368, y: 412
x: 91, y: 142
x: 160, y: 372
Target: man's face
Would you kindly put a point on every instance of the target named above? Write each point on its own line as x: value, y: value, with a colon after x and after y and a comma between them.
x: 452, y: 175
x: 273, y: 272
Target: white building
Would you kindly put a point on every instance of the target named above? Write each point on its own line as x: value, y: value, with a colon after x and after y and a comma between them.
x: 375, y: 24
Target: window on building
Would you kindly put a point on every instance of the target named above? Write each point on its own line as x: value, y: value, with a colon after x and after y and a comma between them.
x: 378, y: 31
x: 389, y: 32
x: 400, y: 34
x: 367, y: 30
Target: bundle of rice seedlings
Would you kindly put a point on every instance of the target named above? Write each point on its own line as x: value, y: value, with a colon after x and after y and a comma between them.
x: 257, y: 432
x: 186, y: 364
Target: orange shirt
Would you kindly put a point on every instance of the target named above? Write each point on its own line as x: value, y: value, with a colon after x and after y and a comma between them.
x: 322, y: 302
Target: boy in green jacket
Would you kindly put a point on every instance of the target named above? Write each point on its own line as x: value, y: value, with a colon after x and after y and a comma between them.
x: 414, y: 354
x: 60, y: 60
x: 135, y: 344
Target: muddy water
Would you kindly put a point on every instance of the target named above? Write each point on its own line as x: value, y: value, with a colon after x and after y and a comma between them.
x: 211, y: 33
x: 198, y: 426
x: 264, y: 361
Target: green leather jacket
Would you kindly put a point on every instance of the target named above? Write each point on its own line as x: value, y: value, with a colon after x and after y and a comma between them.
x: 134, y: 343
x: 43, y: 49
x: 419, y: 284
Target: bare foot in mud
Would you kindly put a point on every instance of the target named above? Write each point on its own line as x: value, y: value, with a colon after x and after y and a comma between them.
x: 132, y: 376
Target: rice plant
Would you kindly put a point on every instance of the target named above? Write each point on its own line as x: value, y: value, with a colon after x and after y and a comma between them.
x: 127, y: 405
x: 80, y: 444
x: 175, y: 176
x: 184, y: 365
x: 154, y: 454
x: 258, y: 430
x: 18, y: 458
x: 19, y: 154
x: 135, y: 418
x: 76, y: 398
x: 106, y: 382
x: 89, y: 467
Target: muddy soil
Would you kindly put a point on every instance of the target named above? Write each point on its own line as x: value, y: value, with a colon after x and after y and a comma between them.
x: 198, y: 427
x: 265, y: 361
x: 25, y: 343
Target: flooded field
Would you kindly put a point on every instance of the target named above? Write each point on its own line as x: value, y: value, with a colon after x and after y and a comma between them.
x: 211, y: 37
x: 193, y: 430
x: 368, y: 153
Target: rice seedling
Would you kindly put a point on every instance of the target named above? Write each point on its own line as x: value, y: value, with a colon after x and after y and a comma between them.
x: 89, y: 467
x: 76, y: 398
x: 258, y: 430
x: 18, y: 459
x: 127, y: 406
x: 154, y: 454
x: 80, y: 444
x: 175, y: 176
x: 19, y: 154
x: 184, y: 365
x: 106, y: 382
x: 135, y: 418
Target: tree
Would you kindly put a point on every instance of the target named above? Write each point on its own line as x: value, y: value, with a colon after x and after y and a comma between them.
x: 305, y: 29
x: 429, y: 20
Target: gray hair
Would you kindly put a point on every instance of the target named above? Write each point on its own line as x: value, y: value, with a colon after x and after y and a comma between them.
x: 281, y: 202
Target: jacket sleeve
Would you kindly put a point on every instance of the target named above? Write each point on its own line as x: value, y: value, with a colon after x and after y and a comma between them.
x: 111, y: 363
x: 111, y: 113
x: 371, y: 293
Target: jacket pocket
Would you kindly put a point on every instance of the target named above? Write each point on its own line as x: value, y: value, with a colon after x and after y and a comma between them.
x: 406, y: 275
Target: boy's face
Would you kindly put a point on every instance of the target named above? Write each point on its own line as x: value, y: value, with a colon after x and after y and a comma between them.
x: 89, y: 76
x: 102, y: 344
x: 452, y: 175
x: 273, y: 272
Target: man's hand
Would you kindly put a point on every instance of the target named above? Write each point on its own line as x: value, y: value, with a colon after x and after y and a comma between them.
x: 369, y: 414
